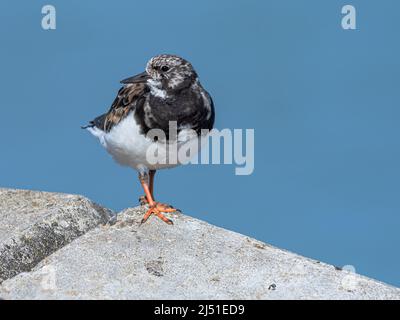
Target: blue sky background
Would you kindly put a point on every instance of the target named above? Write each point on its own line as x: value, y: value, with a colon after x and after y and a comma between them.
x: 324, y: 103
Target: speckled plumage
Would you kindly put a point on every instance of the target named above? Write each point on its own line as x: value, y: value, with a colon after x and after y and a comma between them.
x: 153, y: 99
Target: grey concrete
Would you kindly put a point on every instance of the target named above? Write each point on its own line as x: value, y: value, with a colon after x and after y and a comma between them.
x: 189, y: 260
x: 35, y: 224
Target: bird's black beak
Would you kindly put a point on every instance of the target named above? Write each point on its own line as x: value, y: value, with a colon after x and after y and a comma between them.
x: 139, y: 78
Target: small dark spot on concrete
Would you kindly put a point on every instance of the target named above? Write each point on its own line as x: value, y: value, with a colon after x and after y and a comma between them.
x: 34, y: 204
x: 259, y: 245
x: 272, y: 286
x: 120, y: 224
x: 155, y: 267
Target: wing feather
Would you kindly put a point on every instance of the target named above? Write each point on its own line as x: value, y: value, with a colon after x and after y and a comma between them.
x: 127, y: 99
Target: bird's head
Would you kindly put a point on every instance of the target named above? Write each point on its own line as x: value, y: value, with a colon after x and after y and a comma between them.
x: 166, y: 72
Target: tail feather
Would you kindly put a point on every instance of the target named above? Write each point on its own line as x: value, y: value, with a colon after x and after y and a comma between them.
x: 90, y: 125
x: 96, y: 123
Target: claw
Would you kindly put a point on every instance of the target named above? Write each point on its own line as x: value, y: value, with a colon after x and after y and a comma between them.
x: 157, y: 210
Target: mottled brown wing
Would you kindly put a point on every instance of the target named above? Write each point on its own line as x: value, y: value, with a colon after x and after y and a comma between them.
x: 126, y: 100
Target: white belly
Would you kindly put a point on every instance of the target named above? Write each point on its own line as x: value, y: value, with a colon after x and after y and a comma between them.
x: 130, y: 148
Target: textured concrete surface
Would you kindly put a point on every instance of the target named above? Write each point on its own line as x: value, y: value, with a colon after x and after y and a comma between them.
x: 189, y: 260
x: 36, y: 224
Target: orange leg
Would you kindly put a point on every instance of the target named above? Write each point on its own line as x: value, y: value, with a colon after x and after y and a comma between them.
x: 143, y: 199
x: 154, y: 207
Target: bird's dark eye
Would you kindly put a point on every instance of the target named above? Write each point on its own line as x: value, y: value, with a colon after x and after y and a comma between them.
x: 164, y: 68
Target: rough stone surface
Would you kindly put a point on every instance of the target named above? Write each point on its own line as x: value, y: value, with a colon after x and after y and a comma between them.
x: 36, y: 224
x: 189, y: 260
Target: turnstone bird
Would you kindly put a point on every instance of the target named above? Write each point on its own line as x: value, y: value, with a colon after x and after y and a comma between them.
x: 169, y: 90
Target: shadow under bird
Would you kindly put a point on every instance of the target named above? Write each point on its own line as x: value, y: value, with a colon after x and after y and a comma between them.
x: 169, y: 90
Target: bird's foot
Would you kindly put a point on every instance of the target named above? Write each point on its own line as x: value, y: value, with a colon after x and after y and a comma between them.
x: 143, y: 202
x: 157, y: 209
